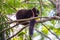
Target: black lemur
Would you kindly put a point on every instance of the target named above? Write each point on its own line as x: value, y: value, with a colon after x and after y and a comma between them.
x: 28, y: 13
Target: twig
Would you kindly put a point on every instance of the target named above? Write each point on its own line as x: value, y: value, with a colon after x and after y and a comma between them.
x: 11, y: 27
x: 51, y: 31
x: 8, y: 28
x: 43, y: 34
x: 17, y: 32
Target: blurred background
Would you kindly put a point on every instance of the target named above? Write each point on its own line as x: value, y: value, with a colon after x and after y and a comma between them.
x: 49, y: 30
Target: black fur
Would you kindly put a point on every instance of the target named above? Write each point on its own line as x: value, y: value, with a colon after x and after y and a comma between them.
x: 24, y: 13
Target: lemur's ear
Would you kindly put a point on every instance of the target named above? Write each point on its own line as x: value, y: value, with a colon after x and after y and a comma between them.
x: 34, y: 8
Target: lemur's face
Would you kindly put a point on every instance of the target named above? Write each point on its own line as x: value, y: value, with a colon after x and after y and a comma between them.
x: 36, y: 12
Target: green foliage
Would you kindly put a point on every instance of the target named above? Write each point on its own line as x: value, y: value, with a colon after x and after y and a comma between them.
x: 53, y: 22
x: 11, y: 6
x: 3, y: 18
x: 22, y: 33
x: 44, y: 30
x: 57, y: 31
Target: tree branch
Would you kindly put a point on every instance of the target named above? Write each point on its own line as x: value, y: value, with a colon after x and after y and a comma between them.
x: 9, y: 22
x: 51, y: 31
x: 17, y: 32
x: 8, y: 28
x: 43, y: 34
x: 43, y: 19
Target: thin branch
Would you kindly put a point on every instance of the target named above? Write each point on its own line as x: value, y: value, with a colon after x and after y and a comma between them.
x: 9, y: 22
x: 8, y: 28
x: 3, y: 30
x: 48, y: 19
x: 17, y: 32
x: 51, y: 31
x: 43, y: 34
x: 43, y: 19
